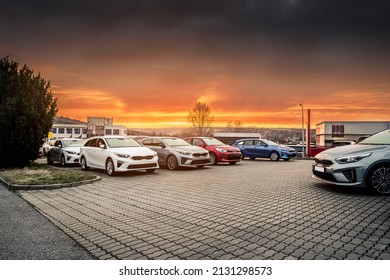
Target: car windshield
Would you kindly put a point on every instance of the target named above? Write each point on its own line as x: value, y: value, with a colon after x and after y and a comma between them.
x: 269, y: 142
x: 213, y: 142
x: 173, y: 142
x: 381, y: 138
x: 122, y: 143
x: 73, y: 143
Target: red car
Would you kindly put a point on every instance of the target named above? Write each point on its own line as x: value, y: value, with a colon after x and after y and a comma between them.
x: 219, y: 152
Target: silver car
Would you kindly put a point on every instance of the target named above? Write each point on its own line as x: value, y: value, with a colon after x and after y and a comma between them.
x: 366, y: 164
x: 66, y: 151
x: 175, y: 152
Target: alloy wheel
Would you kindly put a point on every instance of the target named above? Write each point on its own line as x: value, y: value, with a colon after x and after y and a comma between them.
x: 380, y: 180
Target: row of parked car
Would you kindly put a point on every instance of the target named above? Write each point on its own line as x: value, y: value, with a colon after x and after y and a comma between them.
x: 120, y: 153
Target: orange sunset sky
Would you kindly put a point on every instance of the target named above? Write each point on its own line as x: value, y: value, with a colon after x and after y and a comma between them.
x: 146, y: 63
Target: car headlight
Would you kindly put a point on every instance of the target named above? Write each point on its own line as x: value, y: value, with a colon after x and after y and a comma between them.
x: 122, y: 155
x: 221, y: 150
x: 283, y: 149
x: 183, y: 152
x: 71, y: 152
x: 350, y: 159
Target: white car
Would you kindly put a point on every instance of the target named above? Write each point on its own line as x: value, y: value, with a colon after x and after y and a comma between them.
x: 117, y: 154
x: 66, y: 151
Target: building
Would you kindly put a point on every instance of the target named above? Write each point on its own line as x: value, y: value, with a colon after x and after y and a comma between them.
x: 96, y: 125
x: 65, y: 128
x: 327, y: 131
x: 115, y: 130
x: 231, y: 137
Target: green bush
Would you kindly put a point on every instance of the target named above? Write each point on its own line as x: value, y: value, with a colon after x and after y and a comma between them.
x: 27, y: 109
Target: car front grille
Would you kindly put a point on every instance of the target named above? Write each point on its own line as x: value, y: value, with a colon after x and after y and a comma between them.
x: 142, y: 157
x: 200, y: 154
x: 325, y: 176
x: 323, y: 162
x: 200, y: 161
x: 350, y: 175
x: 140, y: 166
x: 234, y: 157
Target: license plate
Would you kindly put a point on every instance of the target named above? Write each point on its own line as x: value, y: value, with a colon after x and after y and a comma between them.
x: 319, y: 169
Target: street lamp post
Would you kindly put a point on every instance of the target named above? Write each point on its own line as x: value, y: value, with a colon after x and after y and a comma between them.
x: 303, y: 133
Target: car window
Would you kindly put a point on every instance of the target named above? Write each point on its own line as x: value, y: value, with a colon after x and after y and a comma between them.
x: 248, y: 142
x: 258, y: 143
x: 91, y: 143
x: 213, y: 142
x: 197, y: 142
x: 122, y: 143
x: 100, y: 143
x: 381, y: 138
x: 173, y: 142
x: 148, y: 142
x: 73, y: 143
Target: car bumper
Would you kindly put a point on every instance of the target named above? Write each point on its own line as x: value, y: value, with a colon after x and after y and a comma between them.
x: 193, y: 161
x: 123, y: 165
x: 229, y: 157
x: 285, y: 155
x: 340, y: 174
x: 71, y: 159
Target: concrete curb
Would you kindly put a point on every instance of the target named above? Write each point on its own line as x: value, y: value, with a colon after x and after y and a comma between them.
x: 14, y: 187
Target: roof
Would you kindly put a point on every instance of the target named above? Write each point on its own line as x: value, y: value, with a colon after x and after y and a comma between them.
x: 62, y: 120
x: 236, y: 134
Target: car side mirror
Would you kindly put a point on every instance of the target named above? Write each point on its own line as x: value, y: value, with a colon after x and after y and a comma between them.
x: 162, y: 145
x: 102, y: 146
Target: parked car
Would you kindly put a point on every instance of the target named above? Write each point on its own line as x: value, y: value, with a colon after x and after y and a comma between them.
x: 366, y: 164
x: 175, y: 152
x: 219, y: 152
x: 342, y: 143
x: 47, y: 146
x: 66, y: 151
x: 263, y: 148
x: 117, y: 154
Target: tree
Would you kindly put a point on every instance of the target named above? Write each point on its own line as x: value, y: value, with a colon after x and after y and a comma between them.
x: 27, y: 109
x: 235, y: 126
x: 200, y: 118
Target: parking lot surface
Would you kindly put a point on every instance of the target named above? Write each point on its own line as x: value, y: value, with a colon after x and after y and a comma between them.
x: 253, y: 210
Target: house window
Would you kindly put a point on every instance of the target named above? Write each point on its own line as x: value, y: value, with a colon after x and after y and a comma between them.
x: 108, y: 132
x: 338, y: 130
x: 85, y: 131
x: 54, y: 130
x: 77, y: 131
x: 68, y: 131
x: 61, y: 130
x: 116, y: 131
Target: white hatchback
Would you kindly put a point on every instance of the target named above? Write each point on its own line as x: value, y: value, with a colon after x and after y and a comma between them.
x: 117, y: 154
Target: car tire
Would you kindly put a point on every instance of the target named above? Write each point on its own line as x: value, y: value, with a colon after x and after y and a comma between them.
x: 213, y: 159
x: 252, y: 158
x: 110, y: 168
x: 378, y: 179
x: 286, y: 159
x: 83, y: 164
x: 232, y: 162
x: 172, y: 162
x: 63, y: 162
x: 274, y: 156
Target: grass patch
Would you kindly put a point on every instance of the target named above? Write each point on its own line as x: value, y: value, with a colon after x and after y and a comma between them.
x: 42, y: 175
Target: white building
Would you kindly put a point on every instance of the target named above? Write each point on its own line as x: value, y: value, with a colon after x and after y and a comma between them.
x: 96, y: 125
x: 115, y: 130
x: 65, y: 128
x: 327, y: 131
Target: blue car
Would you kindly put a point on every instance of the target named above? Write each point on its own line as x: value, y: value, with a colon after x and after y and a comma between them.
x: 262, y: 148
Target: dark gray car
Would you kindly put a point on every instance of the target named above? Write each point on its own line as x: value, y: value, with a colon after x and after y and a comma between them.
x: 366, y: 164
x: 174, y: 152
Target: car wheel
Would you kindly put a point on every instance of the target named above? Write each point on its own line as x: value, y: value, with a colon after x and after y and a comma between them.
x: 274, y: 156
x: 286, y: 159
x: 378, y: 179
x: 110, y: 169
x: 232, y: 162
x: 252, y: 158
x: 150, y: 170
x: 171, y: 162
x: 213, y: 159
x: 83, y: 163
x: 49, y: 161
x: 63, y: 162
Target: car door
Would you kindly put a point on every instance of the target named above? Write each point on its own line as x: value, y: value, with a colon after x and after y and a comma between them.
x: 55, y: 153
x: 101, y: 153
x: 89, y: 150
x: 160, y: 148
x: 247, y: 148
x: 260, y: 149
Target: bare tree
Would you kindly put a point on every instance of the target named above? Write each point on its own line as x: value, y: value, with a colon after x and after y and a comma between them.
x: 235, y: 126
x: 200, y: 118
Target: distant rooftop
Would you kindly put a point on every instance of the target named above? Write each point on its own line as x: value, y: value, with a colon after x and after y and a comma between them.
x: 62, y: 120
x: 236, y: 134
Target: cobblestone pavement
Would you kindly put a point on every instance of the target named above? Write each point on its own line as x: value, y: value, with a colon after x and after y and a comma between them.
x: 253, y: 210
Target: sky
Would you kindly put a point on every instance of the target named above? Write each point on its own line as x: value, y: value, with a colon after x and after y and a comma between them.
x: 146, y: 63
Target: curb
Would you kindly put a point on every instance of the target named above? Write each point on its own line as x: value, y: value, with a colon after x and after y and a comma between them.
x: 13, y: 187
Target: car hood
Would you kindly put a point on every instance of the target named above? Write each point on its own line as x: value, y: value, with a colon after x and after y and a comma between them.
x: 72, y: 149
x: 285, y: 147
x: 227, y: 147
x: 354, y: 149
x: 191, y: 149
x: 134, y: 151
